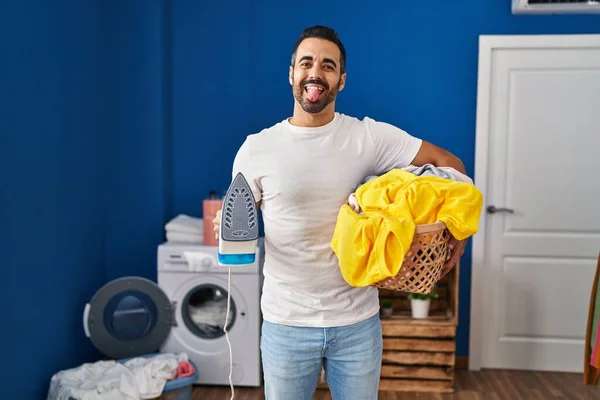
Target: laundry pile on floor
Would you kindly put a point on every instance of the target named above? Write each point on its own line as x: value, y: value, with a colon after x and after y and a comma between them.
x: 133, y: 379
x: 375, y: 229
x: 185, y: 229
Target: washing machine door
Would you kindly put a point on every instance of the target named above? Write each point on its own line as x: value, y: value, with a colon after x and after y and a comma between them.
x: 128, y: 317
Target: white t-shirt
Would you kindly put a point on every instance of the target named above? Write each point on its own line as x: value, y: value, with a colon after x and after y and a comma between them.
x: 303, y: 176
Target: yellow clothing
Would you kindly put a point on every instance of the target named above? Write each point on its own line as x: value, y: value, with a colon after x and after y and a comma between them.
x: 371, y: 246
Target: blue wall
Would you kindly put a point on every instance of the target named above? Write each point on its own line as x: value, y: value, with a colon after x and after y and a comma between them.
x: 135, y: 41
x: 116, y: 116
x: 52, y: 204
x: 82, y: 131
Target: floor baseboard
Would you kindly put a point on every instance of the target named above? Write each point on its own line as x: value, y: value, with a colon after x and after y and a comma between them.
x: 461, y: 362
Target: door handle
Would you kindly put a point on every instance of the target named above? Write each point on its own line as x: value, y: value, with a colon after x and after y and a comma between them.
x: 494, y: 209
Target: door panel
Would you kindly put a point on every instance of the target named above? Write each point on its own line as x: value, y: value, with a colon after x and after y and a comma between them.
x: 534, y: 311
x: 543, y: 165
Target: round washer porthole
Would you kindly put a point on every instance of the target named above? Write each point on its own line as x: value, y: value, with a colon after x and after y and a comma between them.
x: 204, y: 309
x: 130, y: 315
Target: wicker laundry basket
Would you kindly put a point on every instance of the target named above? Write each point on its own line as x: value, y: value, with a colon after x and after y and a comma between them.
x: 433, y: 252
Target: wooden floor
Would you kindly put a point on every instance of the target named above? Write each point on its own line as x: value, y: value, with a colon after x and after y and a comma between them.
x: 488, y: 385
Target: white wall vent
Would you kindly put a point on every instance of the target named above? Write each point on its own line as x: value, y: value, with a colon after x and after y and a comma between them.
x: 555, y: 6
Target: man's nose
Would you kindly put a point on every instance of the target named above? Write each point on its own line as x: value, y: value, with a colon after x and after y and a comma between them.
x: 315, y: 73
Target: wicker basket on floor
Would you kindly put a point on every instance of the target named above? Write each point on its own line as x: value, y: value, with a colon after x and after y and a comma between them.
x: 433, y: 252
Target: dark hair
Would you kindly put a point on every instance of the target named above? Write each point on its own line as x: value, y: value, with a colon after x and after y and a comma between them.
x: 322, y: 32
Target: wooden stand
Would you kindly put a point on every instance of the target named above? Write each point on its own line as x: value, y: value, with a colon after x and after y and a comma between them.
x: 419, y: 354
x: 591, y: 375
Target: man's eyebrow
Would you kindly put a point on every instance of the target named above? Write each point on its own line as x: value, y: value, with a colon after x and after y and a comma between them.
x: 309, y: 58
x: 325, y: 60
x: 329, y: 60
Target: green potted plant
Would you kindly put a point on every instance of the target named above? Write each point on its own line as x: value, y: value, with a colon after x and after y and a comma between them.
x: 420, y: 303
x: 386, y: 308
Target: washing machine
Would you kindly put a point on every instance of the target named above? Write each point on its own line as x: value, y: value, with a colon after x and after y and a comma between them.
x: 198, y: 291
x: 184, y: 312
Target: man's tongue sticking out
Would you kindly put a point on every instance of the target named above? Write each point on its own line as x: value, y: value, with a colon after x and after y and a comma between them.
x: 313, y: 93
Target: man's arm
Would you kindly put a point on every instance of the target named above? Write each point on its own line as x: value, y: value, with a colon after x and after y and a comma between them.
x: 432, y: 154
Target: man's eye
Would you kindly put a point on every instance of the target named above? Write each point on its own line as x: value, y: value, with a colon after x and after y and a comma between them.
x: 304, y: 65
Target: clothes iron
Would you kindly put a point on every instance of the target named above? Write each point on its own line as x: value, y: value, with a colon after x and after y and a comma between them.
x: 238, y: 233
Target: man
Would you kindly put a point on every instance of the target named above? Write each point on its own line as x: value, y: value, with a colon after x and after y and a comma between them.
x: 301, y: 171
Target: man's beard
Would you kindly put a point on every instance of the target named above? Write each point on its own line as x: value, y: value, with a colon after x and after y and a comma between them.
x: 324, y: 100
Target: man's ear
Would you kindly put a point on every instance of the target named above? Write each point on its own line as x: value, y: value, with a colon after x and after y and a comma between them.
x: 291, y: 76
x: 342, y: 82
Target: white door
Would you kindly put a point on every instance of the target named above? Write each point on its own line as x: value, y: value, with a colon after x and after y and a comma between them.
x: 538, y: 164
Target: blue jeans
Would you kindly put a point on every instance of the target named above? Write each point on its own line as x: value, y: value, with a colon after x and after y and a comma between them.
x: 350, y: 355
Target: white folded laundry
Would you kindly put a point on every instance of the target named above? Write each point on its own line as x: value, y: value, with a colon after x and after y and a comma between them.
x: 185, y: 223
x: 182, y: 237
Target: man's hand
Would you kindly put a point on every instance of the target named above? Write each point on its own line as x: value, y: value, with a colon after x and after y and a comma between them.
x: 217, y: 223
x: 457, y: 249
